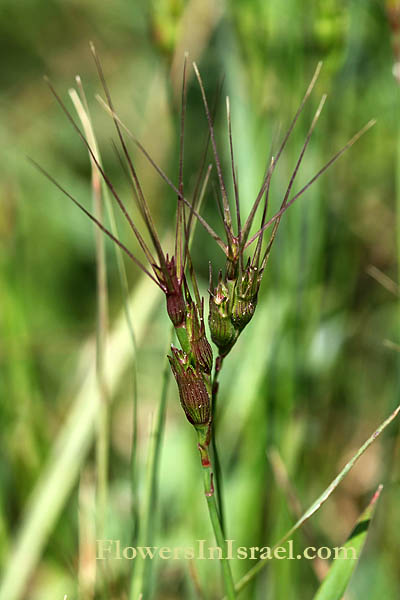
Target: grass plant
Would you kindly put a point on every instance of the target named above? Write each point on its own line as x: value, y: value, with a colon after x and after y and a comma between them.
x: 277, y: 334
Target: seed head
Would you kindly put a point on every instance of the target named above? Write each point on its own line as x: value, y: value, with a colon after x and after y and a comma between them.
x: 223, y: 332
x: 245, y: 297
x: 234, y: 300
x: 176, y: 306
x: 192, y: 385
x: 200, y: 346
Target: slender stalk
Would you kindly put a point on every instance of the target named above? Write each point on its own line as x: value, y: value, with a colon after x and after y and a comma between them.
x: 87, y: 536
x: 217, y: 464
x: 82, y: 108
x: 208, y: 476
x: 141, y: 574
x: 102, y: 441
x: 227, y: 212
x: 102, y: 435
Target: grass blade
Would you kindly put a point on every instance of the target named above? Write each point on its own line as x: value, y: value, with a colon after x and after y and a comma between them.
x: 102, y: 441
x: 335, y: 583
x: 85, y: 117
x: 71, y: 447
x: 320, y: 500
x: 281, y: 476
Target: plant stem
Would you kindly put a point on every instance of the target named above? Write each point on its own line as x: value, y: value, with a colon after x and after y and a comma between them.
x: 102, y: 434
x: 203, y: 443
x: 217, y: 464
x: 100, y: 188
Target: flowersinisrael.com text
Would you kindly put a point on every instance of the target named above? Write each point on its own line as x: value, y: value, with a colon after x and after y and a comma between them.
x: 113, y: 549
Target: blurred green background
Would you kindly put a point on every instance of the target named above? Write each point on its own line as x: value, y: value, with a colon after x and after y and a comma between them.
x: 316, y: 370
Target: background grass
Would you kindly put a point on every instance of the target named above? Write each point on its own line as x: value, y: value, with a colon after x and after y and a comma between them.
x: 310, y: 376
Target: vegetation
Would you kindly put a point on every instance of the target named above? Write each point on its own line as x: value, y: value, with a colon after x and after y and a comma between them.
x: 94, y: 443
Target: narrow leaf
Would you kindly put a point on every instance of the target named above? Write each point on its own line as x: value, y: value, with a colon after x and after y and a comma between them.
x: 320, y: 501
x: 335, y: 583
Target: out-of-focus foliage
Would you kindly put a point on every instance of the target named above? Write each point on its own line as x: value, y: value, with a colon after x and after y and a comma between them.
x: 311, y: 375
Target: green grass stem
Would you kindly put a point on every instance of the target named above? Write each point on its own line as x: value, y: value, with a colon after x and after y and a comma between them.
x: 209, y: 493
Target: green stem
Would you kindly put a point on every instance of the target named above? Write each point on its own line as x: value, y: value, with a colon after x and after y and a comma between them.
x: 217, y: 464
x: 203, y: 442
